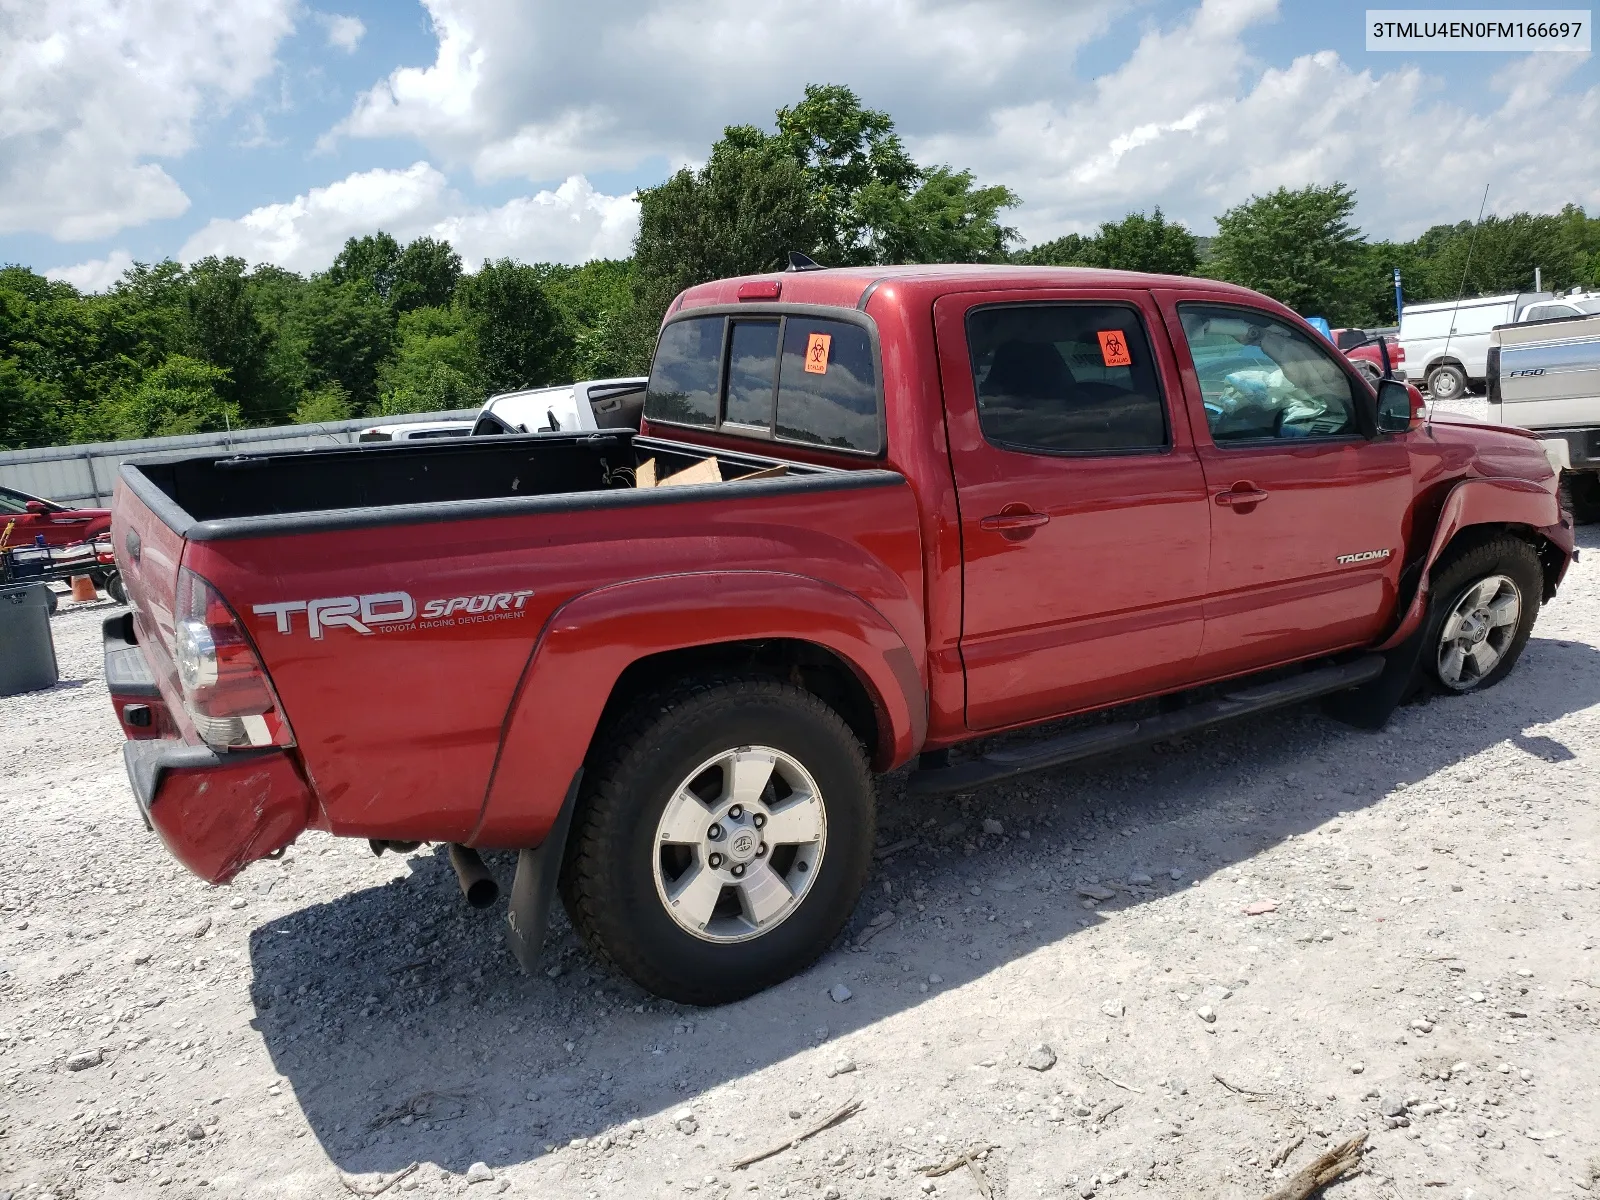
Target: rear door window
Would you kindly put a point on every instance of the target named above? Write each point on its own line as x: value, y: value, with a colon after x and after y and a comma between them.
x: 1065, y: 378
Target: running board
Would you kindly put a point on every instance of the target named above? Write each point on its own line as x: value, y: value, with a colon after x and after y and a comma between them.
x: 1007, y: 763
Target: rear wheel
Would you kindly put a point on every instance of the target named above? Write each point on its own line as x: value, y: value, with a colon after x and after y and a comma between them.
x: 1448, y: 382
x: 1369, y: 371
x: 722, y: 841
x: 115, y: 588
x: 1484, y: 602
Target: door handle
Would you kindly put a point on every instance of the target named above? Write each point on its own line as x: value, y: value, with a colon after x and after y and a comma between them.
x: 1240, y: 494
x: 1006, y: 522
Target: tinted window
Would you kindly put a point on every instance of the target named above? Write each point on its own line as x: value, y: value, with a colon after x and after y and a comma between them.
x: 827, y: 386
x: 1260, y: 378
x: 686, y: 376
x: 1065, y: 377
x: 752, y: 372
x: 1349, y: 339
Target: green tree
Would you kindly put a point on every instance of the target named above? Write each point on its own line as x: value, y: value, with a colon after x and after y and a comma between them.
x: 1135, y: 243
x: 834, y: 182
x: 328, y: 403
x: 225, y: 331
x: 425, y: 275
x: 373, y: 260
x: 182, y: 395
x: 1298, y: 247
x: 435, y: 366
x: 1499, y: 254
x: 521, y: 338
x: 345, y: 333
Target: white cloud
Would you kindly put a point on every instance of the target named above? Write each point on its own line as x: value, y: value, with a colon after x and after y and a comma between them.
x: 92, y: 90
x: 543, y: 91
x: 572, y: 223
x: 344, y: 33
x: 1189, y: 120
x: 96, y: 275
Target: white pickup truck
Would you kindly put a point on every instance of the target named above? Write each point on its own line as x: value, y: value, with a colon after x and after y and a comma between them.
x: 582, y: 407
x: 1545, y: 376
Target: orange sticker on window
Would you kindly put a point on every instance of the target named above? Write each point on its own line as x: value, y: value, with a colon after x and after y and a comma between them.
x: 817, y: 347
x: 1114, y: 348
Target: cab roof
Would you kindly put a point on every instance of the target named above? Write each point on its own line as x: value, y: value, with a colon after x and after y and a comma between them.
x: 849, y: 287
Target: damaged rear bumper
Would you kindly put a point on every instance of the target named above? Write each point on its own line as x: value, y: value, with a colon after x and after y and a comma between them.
x: 218, y: 812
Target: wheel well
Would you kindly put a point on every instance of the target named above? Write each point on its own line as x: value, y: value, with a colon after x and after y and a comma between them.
x: 805, y: 664
x: 1550, y: 556
x: 1445, y: 362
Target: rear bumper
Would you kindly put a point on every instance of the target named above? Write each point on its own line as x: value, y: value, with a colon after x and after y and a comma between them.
x: 217, y: 812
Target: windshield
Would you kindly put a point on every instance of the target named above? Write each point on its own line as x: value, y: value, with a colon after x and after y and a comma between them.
x: 15, y: 502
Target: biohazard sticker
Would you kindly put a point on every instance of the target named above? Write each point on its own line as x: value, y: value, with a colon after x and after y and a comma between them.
x: 1114, y: 348
x: 817, y: 347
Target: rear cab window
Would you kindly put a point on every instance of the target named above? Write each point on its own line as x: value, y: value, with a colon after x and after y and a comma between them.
x: 780, y: 376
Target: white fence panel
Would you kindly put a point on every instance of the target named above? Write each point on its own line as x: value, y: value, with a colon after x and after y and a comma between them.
x: 85, y: 475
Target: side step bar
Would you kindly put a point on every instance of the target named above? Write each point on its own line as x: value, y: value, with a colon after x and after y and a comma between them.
x: 1073, y: 747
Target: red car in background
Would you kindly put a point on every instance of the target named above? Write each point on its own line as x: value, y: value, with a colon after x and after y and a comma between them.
x: 1361, y: 348
x: 26, y: 517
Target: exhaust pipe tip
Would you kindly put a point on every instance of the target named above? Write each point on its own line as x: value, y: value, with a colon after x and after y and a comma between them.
x: 477, y: 885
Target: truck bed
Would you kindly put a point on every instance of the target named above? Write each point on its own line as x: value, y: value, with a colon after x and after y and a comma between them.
x: 216, y: 497
x: 398, y: 727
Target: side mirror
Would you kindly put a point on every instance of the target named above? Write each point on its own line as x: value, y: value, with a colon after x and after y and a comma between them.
x: 37, y: 507
x: 1400, y: 406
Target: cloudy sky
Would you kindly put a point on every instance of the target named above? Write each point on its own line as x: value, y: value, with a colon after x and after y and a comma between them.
x: 274, y: 129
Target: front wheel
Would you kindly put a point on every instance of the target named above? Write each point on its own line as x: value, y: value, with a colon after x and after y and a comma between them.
x: 722, y: 839
x: 1481, y: 614
x: 1447, y: 382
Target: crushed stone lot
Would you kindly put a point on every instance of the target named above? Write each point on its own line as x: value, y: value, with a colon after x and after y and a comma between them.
x: 1185, y: 971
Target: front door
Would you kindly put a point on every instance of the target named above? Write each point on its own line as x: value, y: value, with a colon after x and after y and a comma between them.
x: 1084, y: 517
x: 1308, y: 502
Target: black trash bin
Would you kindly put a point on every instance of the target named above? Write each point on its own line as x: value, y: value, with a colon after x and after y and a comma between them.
x: 27, y: 650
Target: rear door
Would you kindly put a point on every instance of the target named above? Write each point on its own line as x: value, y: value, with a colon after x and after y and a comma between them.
x: 1084, y: 517
x: 1308, y: 503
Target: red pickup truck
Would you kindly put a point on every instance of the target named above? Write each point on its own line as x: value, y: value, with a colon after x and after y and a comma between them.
x: 946, y: 502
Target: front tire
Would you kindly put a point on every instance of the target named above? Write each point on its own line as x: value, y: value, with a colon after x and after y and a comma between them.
x: 722, y: 838
x: 1483, y: 604
x: 1448, y: 382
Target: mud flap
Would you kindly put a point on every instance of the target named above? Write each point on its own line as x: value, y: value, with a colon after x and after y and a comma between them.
x: 1370, y: 705
x: 534, y: 888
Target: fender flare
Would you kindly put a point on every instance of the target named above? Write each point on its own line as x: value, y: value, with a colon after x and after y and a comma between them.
x: 1477, y: 502
x: 591, y: 639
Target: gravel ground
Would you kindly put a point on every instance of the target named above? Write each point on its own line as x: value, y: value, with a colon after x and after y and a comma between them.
x: 1421, y: 966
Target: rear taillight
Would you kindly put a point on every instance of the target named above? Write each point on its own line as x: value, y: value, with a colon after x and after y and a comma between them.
x: 225, y: 688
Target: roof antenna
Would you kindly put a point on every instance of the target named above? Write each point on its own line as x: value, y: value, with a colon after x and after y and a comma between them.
x: 802, y: 262
x: 1455, y: 312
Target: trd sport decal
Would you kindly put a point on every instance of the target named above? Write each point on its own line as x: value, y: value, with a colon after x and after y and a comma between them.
x: 391, y: 611
x: 1345, y: 560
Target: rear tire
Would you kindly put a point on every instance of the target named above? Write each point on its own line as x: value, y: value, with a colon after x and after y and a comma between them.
x: 640, y: 840
x: 115, y: 588
x: 1448, y: 382
x: 1369, y: 371
x: 1482, y: 606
